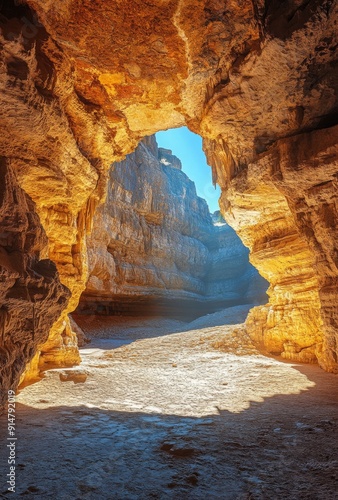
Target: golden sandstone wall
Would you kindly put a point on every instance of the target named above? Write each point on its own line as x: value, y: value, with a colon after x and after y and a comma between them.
x: 83, y: 81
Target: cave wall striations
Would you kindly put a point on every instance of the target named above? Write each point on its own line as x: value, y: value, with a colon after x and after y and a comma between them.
x: 32, y: 297
x: 154, y: 247
x: 284, y: 207
x: 83, y: 82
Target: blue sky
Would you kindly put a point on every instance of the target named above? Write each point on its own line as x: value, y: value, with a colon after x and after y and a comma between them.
x: 188, y: 148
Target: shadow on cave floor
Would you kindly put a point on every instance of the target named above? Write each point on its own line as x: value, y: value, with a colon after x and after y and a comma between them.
x: 108, y: 332
x: 174, y: 417
x: 282, y: 448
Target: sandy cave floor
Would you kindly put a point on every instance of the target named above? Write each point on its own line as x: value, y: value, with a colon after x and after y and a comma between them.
x: 197, y: 414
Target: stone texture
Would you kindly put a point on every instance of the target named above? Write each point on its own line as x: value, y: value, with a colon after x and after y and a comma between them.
x: 82, y: 82
x: 47, y: 164
x: 283, y: 206
x: 290, y: 324
x: 154, y: 247
x: 81, y: 337
x: 32, y: 295
x: 305, y: 171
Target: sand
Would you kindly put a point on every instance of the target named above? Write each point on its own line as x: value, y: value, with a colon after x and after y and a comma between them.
x: 178, y: 412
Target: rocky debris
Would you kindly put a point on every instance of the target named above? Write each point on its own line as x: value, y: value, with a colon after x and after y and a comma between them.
x: 155, y: 250
x: 76, y: 376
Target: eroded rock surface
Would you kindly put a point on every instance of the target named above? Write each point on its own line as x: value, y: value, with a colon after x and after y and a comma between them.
x: 154, y: 247
x: 83, y: 82
x: 32, y: 295
x: 283, y: 207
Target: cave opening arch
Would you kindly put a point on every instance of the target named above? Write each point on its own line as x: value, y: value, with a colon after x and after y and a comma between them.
x: 90, y: 102
x: 155, y: 248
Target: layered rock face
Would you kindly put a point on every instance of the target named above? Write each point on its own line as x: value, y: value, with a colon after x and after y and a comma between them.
x: 291, y: 323
x: 306, y: 171
x: 83, y: 82
x: 32, y: 295
x: 155, y: 250
x: 301, y: 319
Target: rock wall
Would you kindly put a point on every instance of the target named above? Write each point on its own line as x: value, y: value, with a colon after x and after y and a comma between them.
x: 306, y: 173
x: 154, y: 248
x: 284, y: 208
x: 82, y: 82
x: 32, y: 297
x: 304, y: 170
x: 290, y: 324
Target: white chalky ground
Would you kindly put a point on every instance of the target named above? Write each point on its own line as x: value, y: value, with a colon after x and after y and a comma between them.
x: 198, y: 414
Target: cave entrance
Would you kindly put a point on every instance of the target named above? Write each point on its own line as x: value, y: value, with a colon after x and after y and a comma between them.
x: 159, y: 247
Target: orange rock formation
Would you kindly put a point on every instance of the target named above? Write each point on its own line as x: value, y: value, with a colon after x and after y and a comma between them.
x: 83, y: 82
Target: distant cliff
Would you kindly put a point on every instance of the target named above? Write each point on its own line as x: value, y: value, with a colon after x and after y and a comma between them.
x: 155, y: 249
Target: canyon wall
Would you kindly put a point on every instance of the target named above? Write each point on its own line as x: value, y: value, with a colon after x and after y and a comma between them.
x: 155, y: 250
x: 32, y: 297
x: 83, y: 82
x: 302, y: 314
